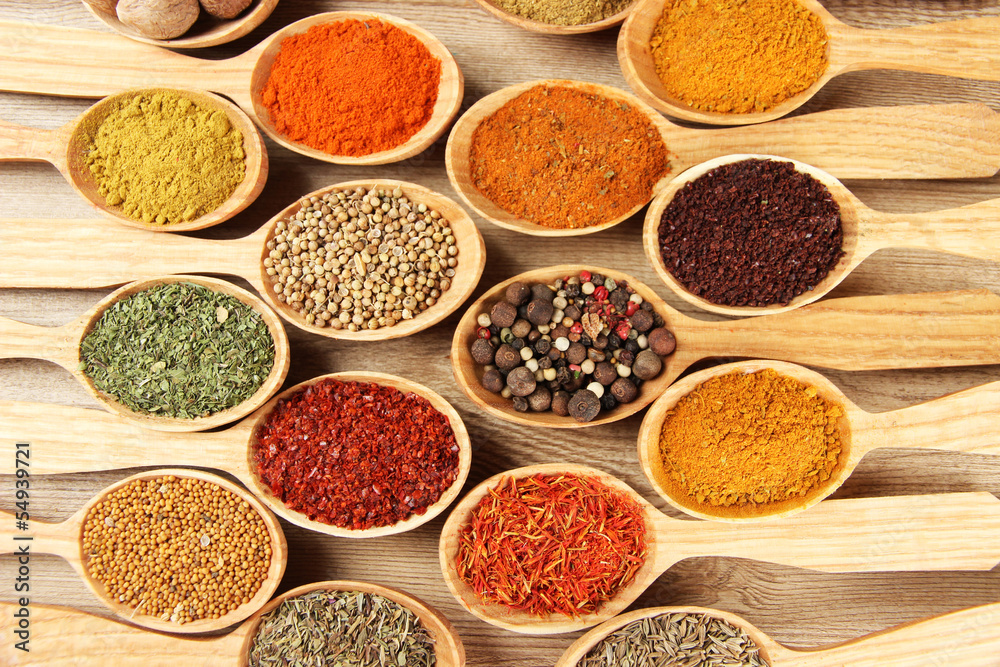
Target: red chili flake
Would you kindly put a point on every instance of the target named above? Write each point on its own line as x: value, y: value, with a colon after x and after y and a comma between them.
x: 355, y: 454
x: 552, y: 544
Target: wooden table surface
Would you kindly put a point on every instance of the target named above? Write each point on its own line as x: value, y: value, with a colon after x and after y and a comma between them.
x: 797, y: 607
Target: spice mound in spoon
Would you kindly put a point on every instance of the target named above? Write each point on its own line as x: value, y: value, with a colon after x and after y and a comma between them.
x: 687, y: 638
x: 177, y: 549
x: 745, y: 443
x: 360, y: 259
x: 580, y: 346
x: 563, y: 12
x: 341, y: 628
x: 356, y: 455
x: 178, y: 350
x: 564, y: 158
x: 352, y: 87
x: 162, y: 158
x: 751, y: 233
x: 552, y: 544
x: 737, y: 56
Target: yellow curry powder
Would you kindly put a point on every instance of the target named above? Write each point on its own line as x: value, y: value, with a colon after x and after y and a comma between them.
x: 737, y: 56
x: 750, y: 439
x: 163, y: 159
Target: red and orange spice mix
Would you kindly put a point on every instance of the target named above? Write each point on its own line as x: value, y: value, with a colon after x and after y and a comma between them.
x: 566, y: 158
x: 352, y: 87
x: 356, y: 455
x: 552, y: 544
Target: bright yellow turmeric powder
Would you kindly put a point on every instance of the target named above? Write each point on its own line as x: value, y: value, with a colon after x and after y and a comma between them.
x: 737, y: 56
x: 749, y: 439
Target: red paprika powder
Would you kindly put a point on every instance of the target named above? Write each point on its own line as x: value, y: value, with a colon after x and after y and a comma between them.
x: 352, y: 87
x: 356, y: 455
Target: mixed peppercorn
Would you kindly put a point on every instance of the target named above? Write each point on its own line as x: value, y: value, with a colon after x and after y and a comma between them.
x: 578, y: 346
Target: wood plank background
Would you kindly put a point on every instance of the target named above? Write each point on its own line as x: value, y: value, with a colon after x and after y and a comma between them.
x: 796, y: 607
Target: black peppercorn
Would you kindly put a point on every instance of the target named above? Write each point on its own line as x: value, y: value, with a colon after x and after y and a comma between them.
x: 483, y: 352
x: 584, y: 405
x: 521, y: 381
x: 543, y: 345
x: 618, y: 299
x: 597, y: 279
x: 517, y: 343
x: 520, y: 403
x: 492, y: 381
x: 614, y: 342
x: 626, y: 358
x: 573, y: 290
x: 586, y: 340
x: 544, y: 362
x: 632, y: 346
x: 563, y: 375
x: 608, y: 402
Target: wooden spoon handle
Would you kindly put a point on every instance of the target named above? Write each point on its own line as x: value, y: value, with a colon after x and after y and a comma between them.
x: 952, y: 531
x: 97, y: 253
x: 62, y: 636
x: 972, y: 231
x: 27, y: 341
x: 20, y: 536
x: 967, y: 421
x: 19, y: 143
x: 966, y: 49
x: 915, y: 141
x: 55, y: 60
x: 959, y: 328
x: 968, y: 638
x: 67, y: 439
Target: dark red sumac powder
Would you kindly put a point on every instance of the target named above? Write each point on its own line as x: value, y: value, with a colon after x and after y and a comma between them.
x: 356, y: 455
x: 751, y: 233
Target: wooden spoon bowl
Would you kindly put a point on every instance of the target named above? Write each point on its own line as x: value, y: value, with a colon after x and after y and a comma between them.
x: 469, y: 374
x: 471, y: 262
x: 852, y: 535
x: 66, y: 148
x: 450, y: 89
x: 957, y: 48
x: 99, y: 441
x: 553, y: 29
x: 62, y: 346
x: 973, y: 231
x: 66, y: 540
x: 67, y: 636
x: 207, y: 31
x: 956, y: 638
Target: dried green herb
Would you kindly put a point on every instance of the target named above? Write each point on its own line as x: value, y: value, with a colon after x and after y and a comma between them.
x: 178, y: 350
x: 676, y: 640
x: 341, y: 629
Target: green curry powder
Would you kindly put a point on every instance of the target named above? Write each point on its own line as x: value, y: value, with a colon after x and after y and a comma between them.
x: 161, y: 158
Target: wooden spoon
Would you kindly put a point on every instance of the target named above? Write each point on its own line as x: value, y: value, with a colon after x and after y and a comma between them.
x: 954, y: 531
x: 71, y: 440
x: 931, y: 141
x: 99, y: 257
x: 67, y: 61
x: 964, y: 49
x: 959, y: 638
x: 66, y: 149
x: 62, y: 346
x: 965, y: 421
x: 65, y: 636
x: 973, y: 231
x: 552, y: 29
x: 898, y: 331
x: 207, y: 31
x: 66, y: 541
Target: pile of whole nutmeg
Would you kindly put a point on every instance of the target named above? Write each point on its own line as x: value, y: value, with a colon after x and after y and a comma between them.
x: 167, y: 19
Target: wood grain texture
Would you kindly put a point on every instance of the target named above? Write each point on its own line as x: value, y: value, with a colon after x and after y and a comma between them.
x: 797, y: 607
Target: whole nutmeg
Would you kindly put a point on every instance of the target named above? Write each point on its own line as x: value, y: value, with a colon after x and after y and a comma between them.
x: 661, y: 341
x: 159, y: 19
x: 225, y: 9
x: 647, y: 365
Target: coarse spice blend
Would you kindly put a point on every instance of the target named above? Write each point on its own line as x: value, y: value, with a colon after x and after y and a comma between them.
x: 745, y: 443
x: 352, y: 87
x: 178, y: 350
x: 178, y: 549
x: 341, y: 629
x: 356, y: 455
x: 563, y: 12
x: 565, y: 158
x: 162, y: 158
x: 552, y: 544
x: 751, y: 233
x: 737, y: 56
